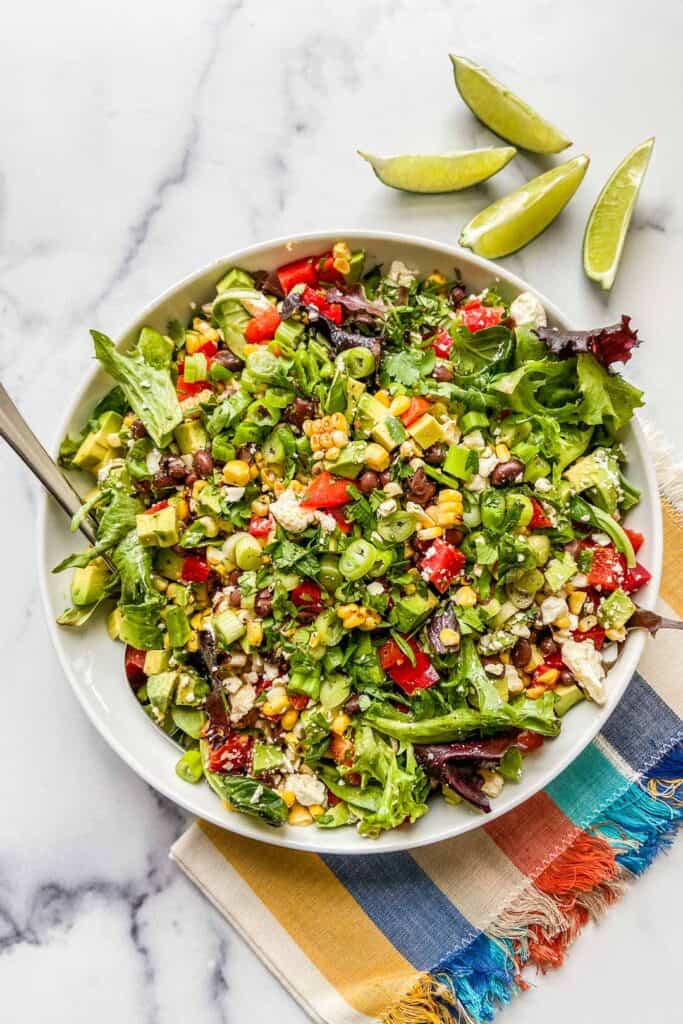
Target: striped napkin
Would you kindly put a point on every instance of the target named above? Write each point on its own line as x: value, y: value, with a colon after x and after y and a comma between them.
x: 445, y: 933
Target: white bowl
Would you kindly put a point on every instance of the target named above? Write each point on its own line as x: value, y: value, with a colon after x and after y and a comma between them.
x: 94, y: 664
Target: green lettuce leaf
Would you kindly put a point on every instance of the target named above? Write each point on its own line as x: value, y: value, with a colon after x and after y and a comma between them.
x: 246, y: 795
x: 149, y: 389
x: 117, y: 519
x: 607, y: 397
x: 404, y: 785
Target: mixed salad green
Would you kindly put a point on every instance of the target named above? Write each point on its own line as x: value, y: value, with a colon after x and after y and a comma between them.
x: 363, y: 535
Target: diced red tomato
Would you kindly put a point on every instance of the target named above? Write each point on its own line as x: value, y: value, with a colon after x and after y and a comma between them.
x: 341, y: 520
x: 390, y: 654
x: 475, y: 316
x: 298, y: 272
x: 332, y: 310
x: 409, y: 677
x: 442, y: 343
x: 637, y: 539
x: 418, y: 406
x: 326, y: 491
x: 544, y: 667
x: 263, y: 326
x: 607, y: 568
x: 186, y: 389
x: 308, y: 595
x: 260, y: 526
x: 635, y: 578
x: 539, y: 520
x: 209, y: 349
x: 299, y: 701
x: 233, y: 756
x: 332, y: 800
x: 194, y: 570
x: 134, y: 665
x: 342, y: 750
x: 528, y: 741
x: 327, y: 271
x: 596, y: 634
x: 156, y: 508
x: 441, y: 564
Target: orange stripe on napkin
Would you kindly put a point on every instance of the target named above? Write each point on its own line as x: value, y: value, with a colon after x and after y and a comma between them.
x: 524, y: 833
x: 672, y: 573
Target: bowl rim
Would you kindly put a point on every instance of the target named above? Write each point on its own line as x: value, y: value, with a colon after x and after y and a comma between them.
x: 398, y: 840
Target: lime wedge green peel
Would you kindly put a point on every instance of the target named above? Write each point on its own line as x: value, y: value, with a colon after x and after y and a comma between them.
x: 448, y: 172
x: 610, y: 217
x: 513, y: 220
x: 503, y: 112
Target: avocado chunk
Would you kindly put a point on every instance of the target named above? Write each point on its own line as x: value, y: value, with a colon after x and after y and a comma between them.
x: 426, y: 431
x: 350, y: 462
x: 95, y: 449
x: 598, y: 473
x: 158, y: 529
x: 389, y: 433
x: 191, y: 437
x: 88, y: 584
x: 228, y: 627
x: 559, y: 571
x: 266, y: 758
x: 191, y: 689
x: 155, y: 662
x: 177, y: 626
x: 169, y: 564
x: 160, y: 690
x: 354, y: 390
x: 412, y: 609
x: 155, y: 348
x: 190, y: 720
x: 566, y: 697
x: 615, y: 610
x: 356, y: 264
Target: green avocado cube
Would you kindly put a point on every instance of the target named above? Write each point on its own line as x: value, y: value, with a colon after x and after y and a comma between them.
x: 350, y: 462
x: 390, y: 433
x: 598, y: 471
x: 109, y: 423
x: 88, y: 584
x: 266, y: 758
x: 93, y: 453
x: 191, y: 437
x: 156, y: 662
x: 370, y: 411
x: 566, y: 697
x: 158, y: 529
x: 412, y: 609
x: 559, y: 571
x: 426, y: 431
x: 228, y: 627
x: 160, y: 690
x: 169, y: 564
x: 191, y: 689
x: 615, y: 610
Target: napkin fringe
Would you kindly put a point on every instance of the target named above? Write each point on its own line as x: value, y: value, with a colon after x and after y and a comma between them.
x: 544, y: 920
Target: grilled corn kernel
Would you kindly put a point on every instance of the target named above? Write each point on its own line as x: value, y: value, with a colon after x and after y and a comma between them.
x: 333, y: 453
x: 236, y: 472
x: 587, y: 623
x: 429, y: 533
x: 616, y: 635
x: 449, y: 637
x: 259, y: 507
x: 299, y: 815
x: 447, y: 496
x: 376, y: 457
x: 192, y: 644
x: 197, y: 488
x: 316, y: 810
x: 575, y: 601
x: 340, y: 723
x: 254, y: 633
x: 535, y: 692
x: 502, y: 452
x: 182, y: 509
x: 253, y: 471
x: 288, y: 797
x: 277, y: 705
x: 399, y: 405
x: 465, y: 597
x: 289, y: 719
x: 436, y: 278
x: 159, y: 583
x: 549, y: 677
x: 505, y: 657
x: 193, y: 342
x: 383, y: 397
x: 197, y: 620
x: 563, y: 622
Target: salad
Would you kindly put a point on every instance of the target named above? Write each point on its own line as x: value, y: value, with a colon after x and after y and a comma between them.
x: 361, y: 534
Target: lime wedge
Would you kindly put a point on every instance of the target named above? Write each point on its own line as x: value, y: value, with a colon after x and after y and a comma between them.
x: 610, y: 217
x: 448, y: 172
x: 513, y: 220
x: 503, y: 112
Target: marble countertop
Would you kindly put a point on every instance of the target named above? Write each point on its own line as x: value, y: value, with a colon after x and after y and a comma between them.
x: 142, y: 140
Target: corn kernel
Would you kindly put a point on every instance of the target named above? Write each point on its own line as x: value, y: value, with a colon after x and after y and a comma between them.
x: 399, y: 405
x: 465, y: 597
x: 448, y: 495
x: 616, y: 635
x: 159, y: 583
x: 563, y: 622
x: 197, y: 620
x: 535, y: 660
x: 376, y: 457
x: 549, y: 677
x: 410, y: 588
x: 502, y: 452
x: 340, y: 723
x: 353, y: 621
x: 182, y: 509
x: 289, y: 719
x: 288, y: 797
x: 505, y: 657
x: 278, y: 703
x: 299, y: 815
x: 587, y: 623
x: 197, y: 488
x: 236, y: 472
x: 535, y: 692
x: 259, y: 507
x: 192, y: 644
x: 429, y: 533
x: 308, y: 427
x: 291, y: 739
x: 254, y: 633
x: 316, y: 810
x: 383, y: 397
x: 436, y: 278
x: 333, y: 453
x: 449, y: 637
x: 575, y: 601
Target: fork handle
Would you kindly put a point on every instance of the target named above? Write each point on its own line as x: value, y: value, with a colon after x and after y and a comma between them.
x: 19, y: 436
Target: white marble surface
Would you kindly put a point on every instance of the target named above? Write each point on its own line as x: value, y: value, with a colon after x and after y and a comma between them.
x: 142, y: 139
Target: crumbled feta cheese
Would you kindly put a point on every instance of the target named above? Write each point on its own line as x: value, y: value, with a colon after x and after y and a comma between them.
x: 306, y: 788
x: 386, y: 508
x: 152, y: 460
x: 585, y: 664
x: 242, y: 702
x: 402, y: 274
x: 232, y: 494
x: 493, y: 782
x: 476, y: 484
x: 327, y: 522
x: 289, y: 513
x: 579, y: 581
x: 527, y: 310
x: 232, y: 684
x: 520, y: 629
x: 451, y: 431
x: 601, y: 539
x: 494, y: 668
x: 475, y: 439
x: 192, y: 404
x: 609, y: 654
x: 553, y: 608
x: 392, y: 489
x: 375, y: 588
x: 487, y: 465
x: 513, y: 679
x: 543, y: 485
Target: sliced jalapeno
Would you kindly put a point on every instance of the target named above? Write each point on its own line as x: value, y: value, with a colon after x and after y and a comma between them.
x: 397, y: 527
x: 330, y: 577
x: 358, y: 362
x: 384, y: 559
x: 526, y: 509
x: 358, y: 559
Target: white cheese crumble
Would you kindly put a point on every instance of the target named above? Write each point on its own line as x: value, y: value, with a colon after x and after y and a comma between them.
x: 609, y: 654
x: 306, y: 788
x: 327, y: 522
x: 493, y: 782
x: 513, y: 679
x: 386, y: 508
x: 232, y: 494
x: 289, y: 513
x: 475, y: 439
x: 476, y: 484
x: 527, y: 310
x: 375, y: 588
x: 402, y: 274
x: 487, y: 465
x: 242, y: 702
x: 543, y: 485
x: 553, y: 608
x: 585, y: 663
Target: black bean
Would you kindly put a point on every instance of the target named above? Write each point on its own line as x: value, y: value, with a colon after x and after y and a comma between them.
x: 565, y: 678
x: 138, y: 429
x: 352, y: 705
x: 263, y: 602
x: 384, y: 478
x: 436, y: 455
x: 442, y: 372
x: 507, y: 473
x: 301, y: 409
x: 202, y: 463
x: 229, y: 360
x: 235, y: 598
x: 457, y: 294
x: 419, y: 488
x: 548, y: 647
x: 234, y: 577
x: 521, y: 653
x: 246, y: 452
x: 454, y: 536
x: 368, y: 481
